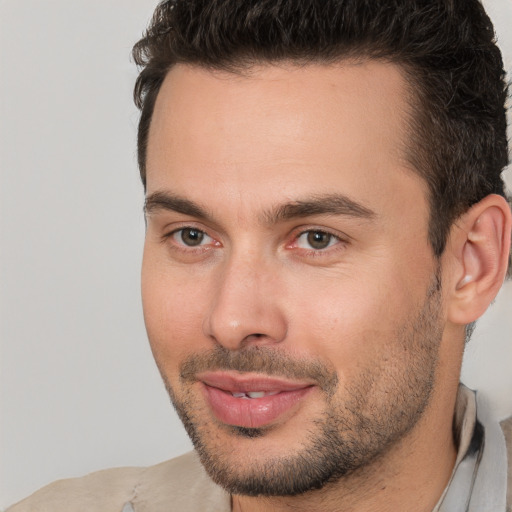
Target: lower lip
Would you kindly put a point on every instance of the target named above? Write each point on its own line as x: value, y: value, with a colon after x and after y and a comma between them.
x: 252, y: 412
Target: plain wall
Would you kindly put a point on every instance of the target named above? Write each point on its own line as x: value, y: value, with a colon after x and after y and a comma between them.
x: 78, y: 387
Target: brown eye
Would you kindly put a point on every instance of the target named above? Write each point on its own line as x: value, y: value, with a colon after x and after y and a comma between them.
x: 319, y: 239
x: 191, y: 237
x: 316, y: 239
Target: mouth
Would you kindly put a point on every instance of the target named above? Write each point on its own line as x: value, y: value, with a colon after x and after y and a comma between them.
x: 251, y: 400
x: 253, y: 394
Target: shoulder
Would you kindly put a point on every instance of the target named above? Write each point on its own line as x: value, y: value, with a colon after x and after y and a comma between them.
x: 104, y: 488
x: 180, y: 483
x: 506, y: 426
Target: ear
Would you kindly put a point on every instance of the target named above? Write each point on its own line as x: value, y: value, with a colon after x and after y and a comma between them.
x: 480, y: 245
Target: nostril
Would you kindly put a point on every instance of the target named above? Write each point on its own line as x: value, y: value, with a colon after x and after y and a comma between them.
x: 253, y: 337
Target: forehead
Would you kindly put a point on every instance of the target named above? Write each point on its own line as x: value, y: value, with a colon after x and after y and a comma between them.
x: 280, y: 130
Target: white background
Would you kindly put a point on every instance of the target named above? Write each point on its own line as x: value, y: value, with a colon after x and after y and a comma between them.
x: 78, y: 387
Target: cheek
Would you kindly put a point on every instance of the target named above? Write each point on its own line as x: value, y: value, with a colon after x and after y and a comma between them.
x: 173, y: 308
x: 352, y: 323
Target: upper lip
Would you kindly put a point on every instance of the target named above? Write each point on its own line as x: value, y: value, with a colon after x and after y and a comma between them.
x: 249, y: 382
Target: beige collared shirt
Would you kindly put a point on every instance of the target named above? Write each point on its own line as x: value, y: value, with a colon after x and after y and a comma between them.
x: 182, y: 485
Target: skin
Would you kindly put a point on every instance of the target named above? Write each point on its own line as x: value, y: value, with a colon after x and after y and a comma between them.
x: 240, y: 147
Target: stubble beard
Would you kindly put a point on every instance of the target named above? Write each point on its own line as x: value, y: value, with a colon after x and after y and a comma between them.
x: 359, y: 425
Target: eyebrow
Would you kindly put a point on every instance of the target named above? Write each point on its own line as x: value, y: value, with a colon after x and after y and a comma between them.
x: 170, y: 202
x: 328, y: 204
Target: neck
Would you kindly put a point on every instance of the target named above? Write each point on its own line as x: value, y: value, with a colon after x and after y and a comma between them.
x: 410, y: 476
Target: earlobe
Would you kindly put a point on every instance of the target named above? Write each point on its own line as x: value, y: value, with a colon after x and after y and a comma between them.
x: 481, y: 243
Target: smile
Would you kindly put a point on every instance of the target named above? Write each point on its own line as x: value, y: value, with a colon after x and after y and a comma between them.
x: 251, y: 401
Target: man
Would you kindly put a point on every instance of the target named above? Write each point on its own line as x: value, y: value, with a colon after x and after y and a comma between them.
x: 326, y: 220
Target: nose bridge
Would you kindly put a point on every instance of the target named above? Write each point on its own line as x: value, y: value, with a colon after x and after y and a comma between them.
x: 245, y: 303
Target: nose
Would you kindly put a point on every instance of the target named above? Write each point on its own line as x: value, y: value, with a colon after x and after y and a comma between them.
x: 245, y: 308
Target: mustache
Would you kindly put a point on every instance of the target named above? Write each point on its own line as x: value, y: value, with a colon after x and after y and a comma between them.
x: 264, y: 360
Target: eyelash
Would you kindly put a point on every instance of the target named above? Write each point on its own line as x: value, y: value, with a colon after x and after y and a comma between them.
x: 338, y: 243
x: 310, y: 252
x: 184, y: 247
x: 333, y: 241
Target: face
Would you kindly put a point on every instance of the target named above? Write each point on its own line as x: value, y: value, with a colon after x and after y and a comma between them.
x: 291, y: 299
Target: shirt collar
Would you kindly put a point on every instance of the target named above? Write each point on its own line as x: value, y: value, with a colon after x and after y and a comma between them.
x: 479, y: 478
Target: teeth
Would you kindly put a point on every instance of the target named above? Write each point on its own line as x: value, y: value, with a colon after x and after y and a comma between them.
x: 254, y: 394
